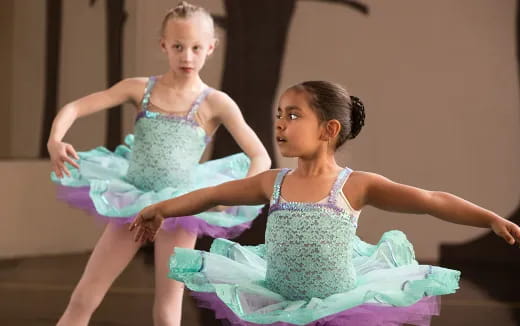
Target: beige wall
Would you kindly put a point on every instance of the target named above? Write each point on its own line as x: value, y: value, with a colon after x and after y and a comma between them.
x: 27, y: 77
x: 83, y: 67
x: 442, y: 102
x: 82, y: 70
x: 32, y: 221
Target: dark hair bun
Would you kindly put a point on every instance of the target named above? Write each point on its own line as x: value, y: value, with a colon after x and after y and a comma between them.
x: 357, y: 116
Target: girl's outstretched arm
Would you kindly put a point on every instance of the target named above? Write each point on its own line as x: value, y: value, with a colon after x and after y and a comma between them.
x: 60, y: 152
x: 248, y: 191
x: 388, y: 195
x: 231, y: 117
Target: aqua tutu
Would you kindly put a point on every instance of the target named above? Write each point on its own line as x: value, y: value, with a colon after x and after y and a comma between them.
x: 314, y: 270
x: 158, y: 162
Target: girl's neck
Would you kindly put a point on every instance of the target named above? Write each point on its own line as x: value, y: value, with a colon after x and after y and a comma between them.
x: 182, y: 83
x: 317, y: 166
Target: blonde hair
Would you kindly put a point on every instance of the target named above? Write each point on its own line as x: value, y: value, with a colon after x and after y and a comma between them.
x: 186, y: 10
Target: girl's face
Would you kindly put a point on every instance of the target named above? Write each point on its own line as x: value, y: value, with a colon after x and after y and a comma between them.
x: 299, y: 133
x: 187, y: 42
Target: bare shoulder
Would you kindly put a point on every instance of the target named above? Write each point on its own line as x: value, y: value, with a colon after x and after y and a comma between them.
x: 363, y: 176
x: 136, y: 85
x: 362, y: 180
x: 269, y: 176
x: 220, y: 101
x: 131, y: 88
x: 267, y: 180
x: 358, y: 186
x: 133, y: 83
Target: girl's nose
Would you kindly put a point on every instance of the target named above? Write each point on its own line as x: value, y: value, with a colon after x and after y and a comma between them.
x: 280, y: 125
x: 187, y: 56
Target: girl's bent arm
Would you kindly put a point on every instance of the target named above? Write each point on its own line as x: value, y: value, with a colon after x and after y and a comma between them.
x: 231, y: 117
x: 125, y: 90
x: 60, y: 152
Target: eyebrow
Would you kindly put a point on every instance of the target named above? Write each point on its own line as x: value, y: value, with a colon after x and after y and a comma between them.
x: 291, y: 108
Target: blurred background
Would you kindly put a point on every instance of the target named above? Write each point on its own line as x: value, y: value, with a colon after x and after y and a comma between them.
x: 440, y: 83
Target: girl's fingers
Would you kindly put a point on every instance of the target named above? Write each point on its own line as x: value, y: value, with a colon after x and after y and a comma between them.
x: 62, y: 168
x: 507, y: 236
x: 138, y: 234
x: 151, y: 233
x: 143, y: 237
x: 515, y: 232
x: 71, y: 162
x: 148, y: 236
x: 154, y: 235
x: 56, y: 170
x: 147, y: 233
x: 67, y: 172
x: 72, y: 151
x: 509, y: 231
x: 144, y: 230
x: 134, y: 224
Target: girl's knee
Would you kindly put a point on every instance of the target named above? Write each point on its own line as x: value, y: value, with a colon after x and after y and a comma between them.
x: 81, y: 301
x: 167, y: 314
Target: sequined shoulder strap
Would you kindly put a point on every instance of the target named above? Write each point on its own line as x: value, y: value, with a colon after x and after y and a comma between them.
x: 338, y: 185
x: 147, y: 92
x: 275, y: 198
x: 195, y: 106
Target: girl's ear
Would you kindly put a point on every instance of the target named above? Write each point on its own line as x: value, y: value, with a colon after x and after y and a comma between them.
x: 162, y: 44
x: 332, y: 129
x: 212, y: 46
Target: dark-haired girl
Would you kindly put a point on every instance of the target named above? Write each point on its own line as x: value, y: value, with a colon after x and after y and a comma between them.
x: 313, y: 269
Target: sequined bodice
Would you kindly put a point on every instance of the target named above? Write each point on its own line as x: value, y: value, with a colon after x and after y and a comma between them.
x: 309, y: 245
x: 166, y: 147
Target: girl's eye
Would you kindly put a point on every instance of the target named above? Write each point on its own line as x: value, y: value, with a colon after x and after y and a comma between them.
x: 177, y: 47
x: 290, y: 116
x: 196, y: 48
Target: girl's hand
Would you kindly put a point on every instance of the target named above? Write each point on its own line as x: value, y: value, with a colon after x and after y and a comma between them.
x: 61, y: 153
x: 507, y: 230
x: 147, y: 223
x: 219, y: 208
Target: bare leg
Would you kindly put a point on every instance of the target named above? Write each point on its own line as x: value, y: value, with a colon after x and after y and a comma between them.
x: 112, y: 253
x: 168, y: 293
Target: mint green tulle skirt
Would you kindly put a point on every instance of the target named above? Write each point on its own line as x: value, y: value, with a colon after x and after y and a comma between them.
x: 100, y: 186
x: 392, y: 288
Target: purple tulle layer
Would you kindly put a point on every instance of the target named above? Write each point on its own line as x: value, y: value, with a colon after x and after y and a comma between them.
x: 419, y: 313
x: 79, y: 197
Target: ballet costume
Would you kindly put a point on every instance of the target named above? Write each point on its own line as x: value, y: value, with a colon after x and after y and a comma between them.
x: 159, y: 161
x: 314, y: 270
